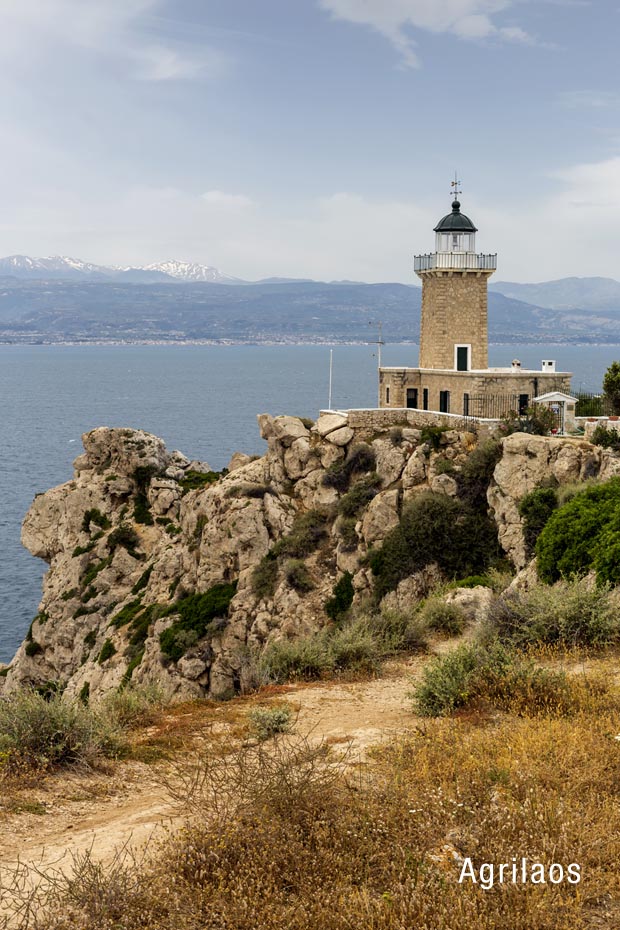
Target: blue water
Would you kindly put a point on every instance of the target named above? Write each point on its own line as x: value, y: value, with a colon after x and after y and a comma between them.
x: 202, y: 400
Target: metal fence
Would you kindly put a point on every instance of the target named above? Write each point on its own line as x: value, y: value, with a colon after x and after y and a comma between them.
x: 593, y: 405
x: 495, y: 406
x: 467, y: 261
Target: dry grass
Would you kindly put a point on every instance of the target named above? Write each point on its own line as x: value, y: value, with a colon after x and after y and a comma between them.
x: 281, y: 836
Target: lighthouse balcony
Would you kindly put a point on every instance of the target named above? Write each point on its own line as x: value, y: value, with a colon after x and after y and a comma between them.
x: 454, y: 261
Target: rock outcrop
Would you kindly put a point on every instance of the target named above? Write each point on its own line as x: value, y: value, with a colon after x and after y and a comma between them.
x: 164, y: 571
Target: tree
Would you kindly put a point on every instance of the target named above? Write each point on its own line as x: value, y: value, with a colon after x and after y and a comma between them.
x: 611, y: 386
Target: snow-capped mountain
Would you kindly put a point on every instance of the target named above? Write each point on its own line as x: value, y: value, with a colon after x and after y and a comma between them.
x: 191, y: 271
x: 56, y: 266
x: 61, y: 267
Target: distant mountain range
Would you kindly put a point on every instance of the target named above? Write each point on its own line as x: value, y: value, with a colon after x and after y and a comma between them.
x: 60, y: 299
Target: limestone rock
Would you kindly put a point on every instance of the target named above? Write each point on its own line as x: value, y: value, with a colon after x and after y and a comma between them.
x: 413, y: 589
x: 287, y: 429
x: 381, y: 516
x: 390, y: 460
x: 340, y: 437
x: 474, y: 602
x: 238, y: 460
x: 328, y: 422
x: 414, y: 472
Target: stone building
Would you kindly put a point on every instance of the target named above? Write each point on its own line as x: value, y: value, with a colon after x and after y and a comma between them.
x: 453, y: 374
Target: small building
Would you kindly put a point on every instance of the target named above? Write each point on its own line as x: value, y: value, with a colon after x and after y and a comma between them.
x: 453, y: 374
x: 563, y: 408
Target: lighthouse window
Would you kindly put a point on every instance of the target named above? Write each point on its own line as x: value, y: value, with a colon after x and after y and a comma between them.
x: 455, y: 242
x: 444, y: 401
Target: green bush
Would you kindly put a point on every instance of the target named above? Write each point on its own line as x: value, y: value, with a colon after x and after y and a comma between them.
x: 143, y: 580
x: 361, y: 458
x: 535, y: 509
x: 433, y: 435
x: 396, y: 631
x: 569, y: 613
x: 196, y: 480
x: 305, y: 658
x: 265, y: 577
x: 443, y: 466
x: 349, y: 539
x: 266, y: 722
x: 434, y: 528
x: 354, y: 648
x: 44, y: 732
x: 448, y: 682
x: 359, y: 496
x: 537, y: 420
x: 606, y: 438
x: 396, y: 435
x: 477, y: 471
x: 32, y: 648
x: 583, y: 535
x: 442, y: 617
x: 342, y: 597
x: 125, y: 536
x: 107, y: 651
x: 197, y: 613
x: 298, y: 576
x: 95, y: 516
x: 307, y: 533
x: 93, y: 570
x: 611, y: 386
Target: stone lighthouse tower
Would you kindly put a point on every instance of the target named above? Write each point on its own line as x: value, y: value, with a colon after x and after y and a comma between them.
x: 453, y: 376
x: 454, y: 326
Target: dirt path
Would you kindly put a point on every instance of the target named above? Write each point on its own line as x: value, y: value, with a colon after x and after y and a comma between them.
x: 45, y: 826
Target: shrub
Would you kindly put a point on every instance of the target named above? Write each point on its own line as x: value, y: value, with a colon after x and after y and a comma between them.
x: 95, y: 516
x: 196, y: 615
x: 537, y: 420
x: 195, y: 480
x: 443, y: 466
x: 306, y: 658
x: 130, y: 706
x: 361, y: 458
x: 611, y: 386
x: 396, y: 435
x: 298, y: 576
x: 582, y: 535
x: 535, y: 509
x: 443, y: 617
x: 342, y: 597
x: 125, y: 536
x: 359, y: 496
x: 143, y: 580
x: 569, y: 613
x: 606, y: 438
x: 354, y: 648
x: 249, y: 490
x: 43, y: 732
x: 349, y: 540
x: 477, y: 471
x: 432, y: 435
x: 447, y: 682
x: 265, y: 577
x: 433, y: 528
x: 32, y: 648
x: 307, y: 533
x: 107, y: 651
x: 266, y: 722
x: 127, y: 613
x: 93, y: 570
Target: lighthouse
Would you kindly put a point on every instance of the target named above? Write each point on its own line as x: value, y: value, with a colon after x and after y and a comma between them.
x: 453, y: 376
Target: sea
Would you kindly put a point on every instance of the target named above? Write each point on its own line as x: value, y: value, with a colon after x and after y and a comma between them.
x: 201, y: 399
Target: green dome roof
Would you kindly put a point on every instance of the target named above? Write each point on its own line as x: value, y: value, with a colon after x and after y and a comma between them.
x: 455, y: 222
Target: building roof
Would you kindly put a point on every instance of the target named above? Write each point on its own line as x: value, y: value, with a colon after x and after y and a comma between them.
x: 455, y: 221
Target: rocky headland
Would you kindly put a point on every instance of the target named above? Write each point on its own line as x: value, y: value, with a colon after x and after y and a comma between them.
x: 164, y: 571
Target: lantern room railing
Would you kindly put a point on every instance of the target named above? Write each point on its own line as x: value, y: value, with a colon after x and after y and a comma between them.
x: 455, y: 261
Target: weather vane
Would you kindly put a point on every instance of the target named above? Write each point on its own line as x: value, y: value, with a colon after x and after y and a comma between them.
x: 455, y: 187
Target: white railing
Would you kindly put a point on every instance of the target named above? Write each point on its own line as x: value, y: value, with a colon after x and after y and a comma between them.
x: 467, y: 261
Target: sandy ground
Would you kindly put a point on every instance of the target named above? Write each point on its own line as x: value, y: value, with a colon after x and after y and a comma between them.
x: 44, y: 826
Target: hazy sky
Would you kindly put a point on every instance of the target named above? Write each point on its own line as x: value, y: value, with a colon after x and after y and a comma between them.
x: 311, y: 138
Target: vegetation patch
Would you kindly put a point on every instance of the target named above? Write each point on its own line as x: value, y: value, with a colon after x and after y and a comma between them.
x: 606, y: 438
x: 196, y: 480
x: 571, y: 613
x: 361, y: 458
x: 93, y: 570
x: 265, y: 577
x: 107, y: 651
x: 583, y: 535
x: 298, y: 576
x: 143, y: 580
x: 432, y: 435
x: 307, y: 533
x: 537, y: 420
x: 434, y: 528
x: 342, y: 597
x: 94, y: 515
x: 32, y: 648
x: 535, y: 509
x: 359, y: 495
x: 267, y: 722
x: 197, y: 616
x: 443, y: 617
x: 249, y: 490
x: 125, y: 536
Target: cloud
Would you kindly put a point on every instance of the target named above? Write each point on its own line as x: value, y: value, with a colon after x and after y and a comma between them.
x: 466, y: 19
x: 121, y: 30
x: 221, y: 199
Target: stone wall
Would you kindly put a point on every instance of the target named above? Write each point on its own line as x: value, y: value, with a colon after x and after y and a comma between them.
x: 454, y: 312
x: 376, y: 419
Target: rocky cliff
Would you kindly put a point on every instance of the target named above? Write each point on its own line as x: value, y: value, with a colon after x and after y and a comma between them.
x: 164, y: 571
